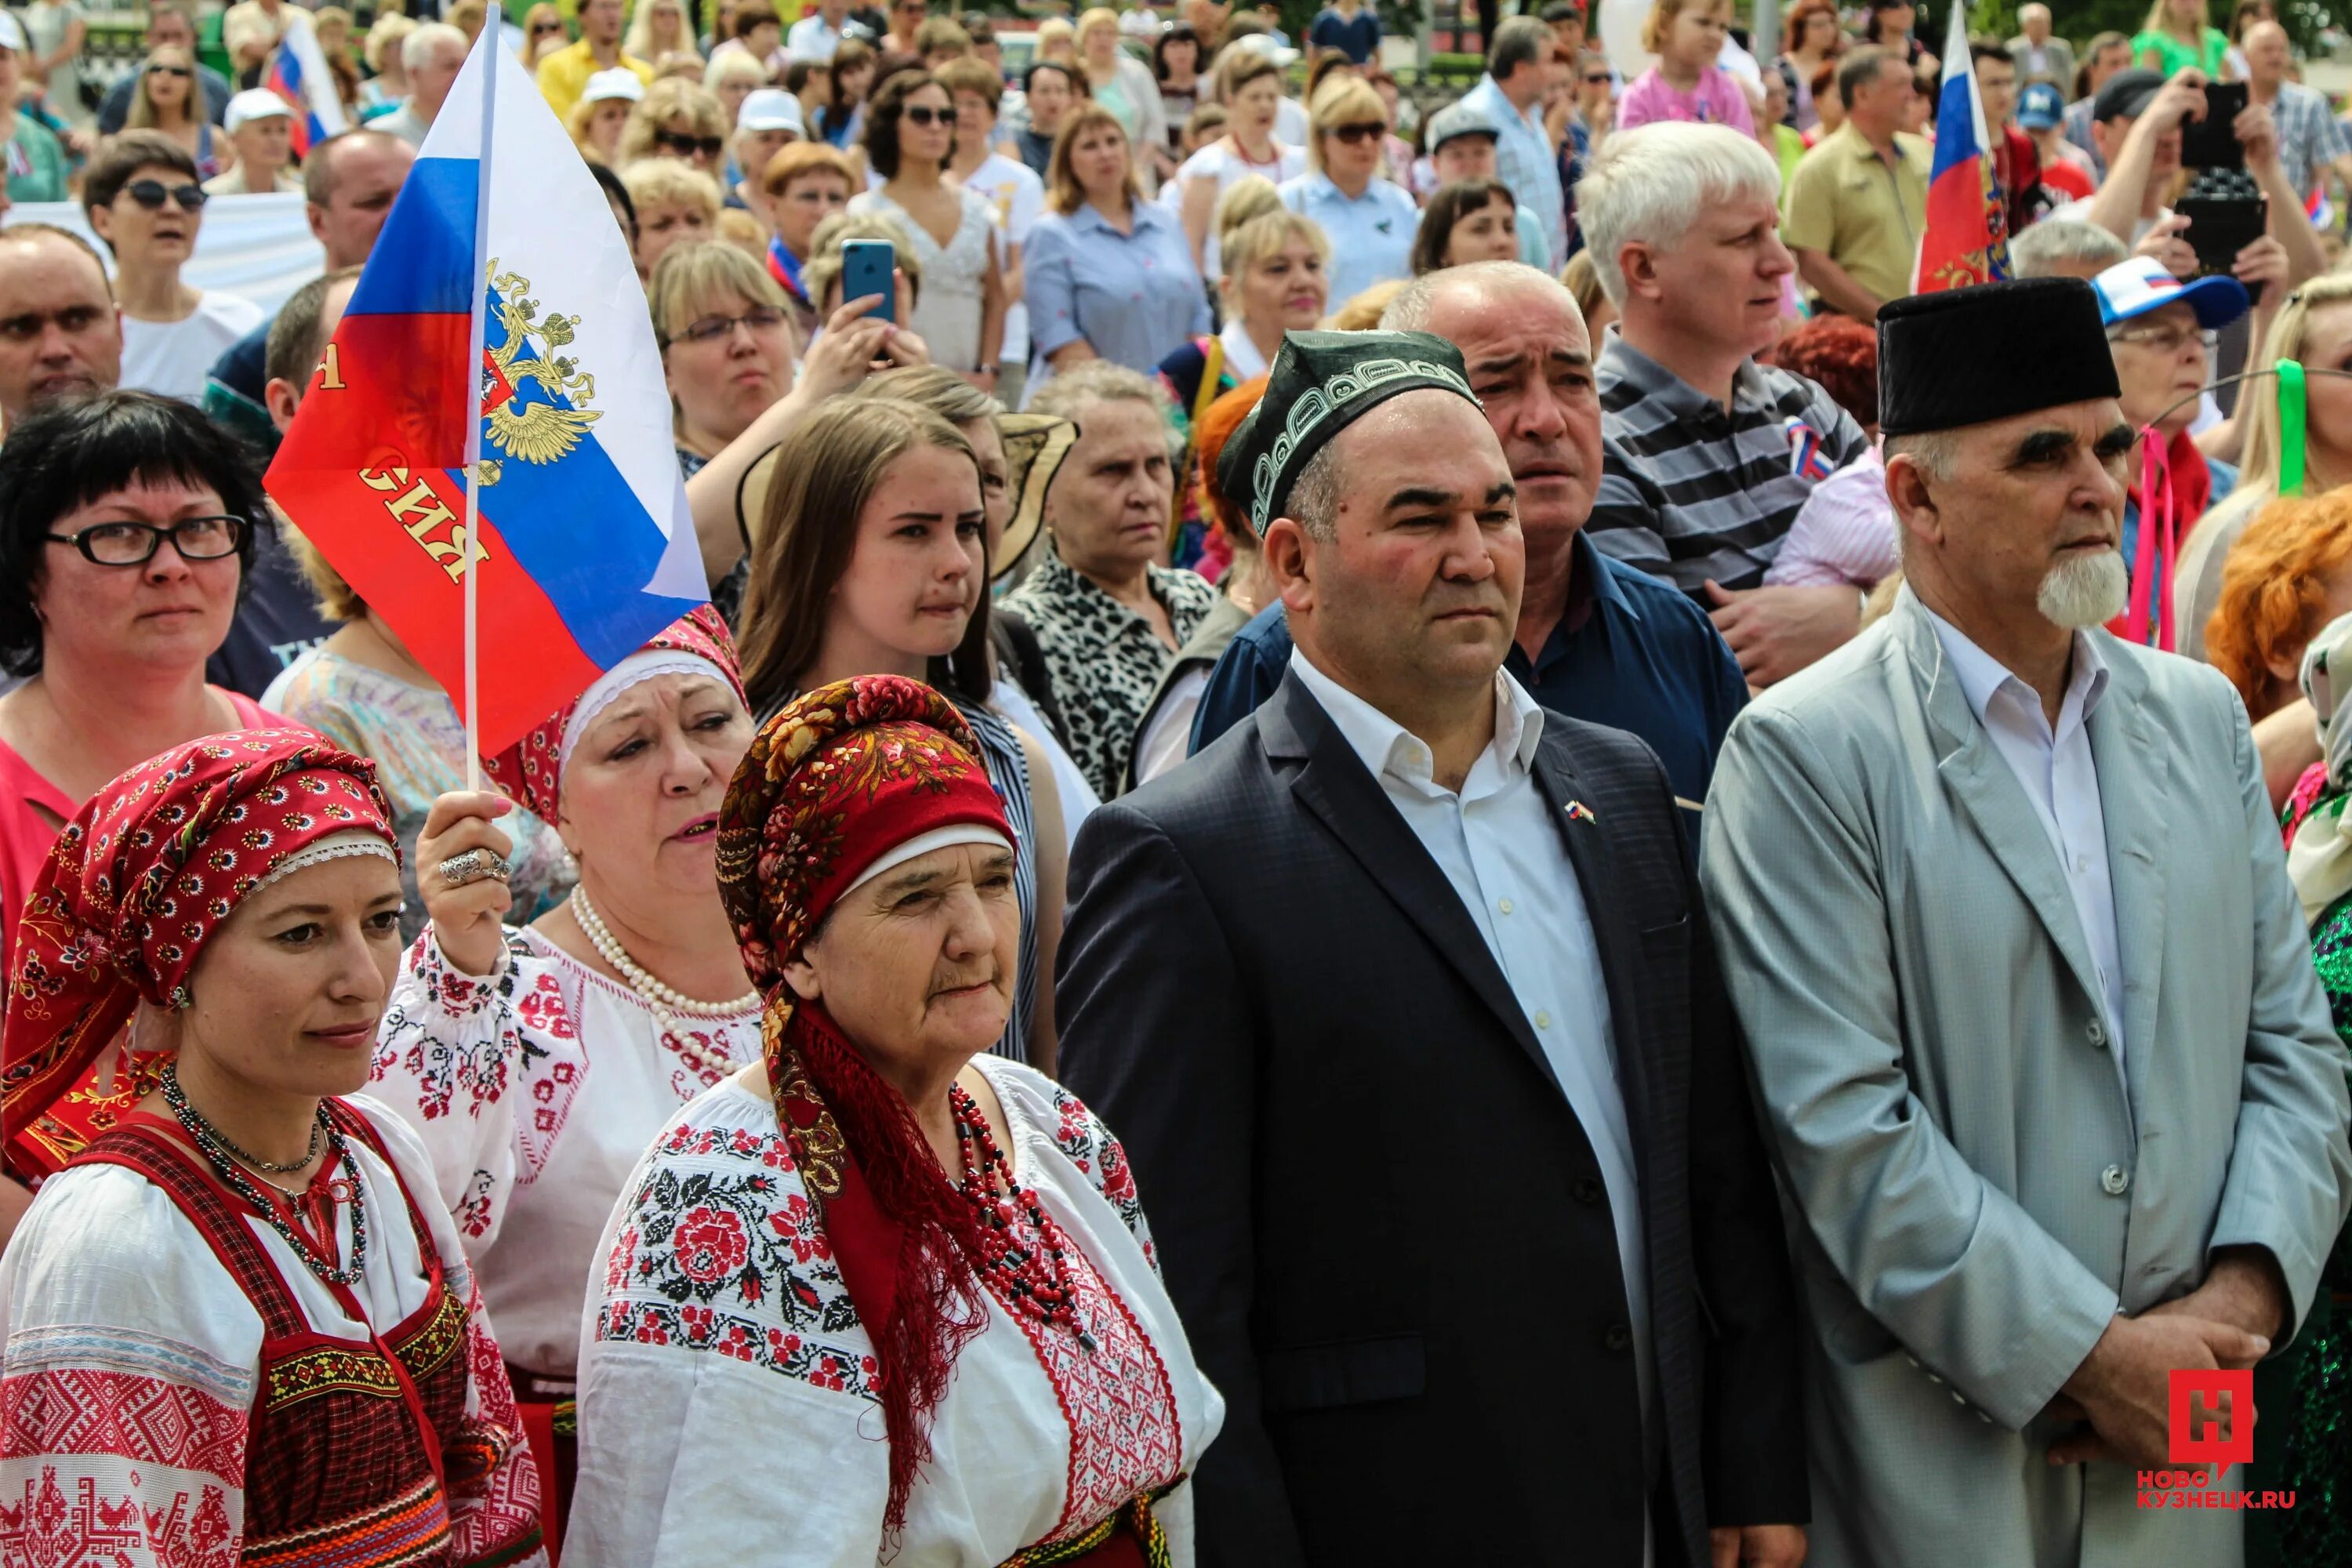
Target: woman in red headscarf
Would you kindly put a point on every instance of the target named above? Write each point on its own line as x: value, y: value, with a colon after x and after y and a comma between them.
x: 239, y: 1326
x: 538, y: 1063
x: 883, y: 1229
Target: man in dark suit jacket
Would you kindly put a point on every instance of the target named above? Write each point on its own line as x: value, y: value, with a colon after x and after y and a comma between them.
x: 1396, y: 1155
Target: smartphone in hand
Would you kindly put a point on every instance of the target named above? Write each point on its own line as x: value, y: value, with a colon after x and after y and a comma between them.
x: 871, y: 267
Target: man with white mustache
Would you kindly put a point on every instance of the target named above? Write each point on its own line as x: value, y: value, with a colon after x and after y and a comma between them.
x: 2003, y: 912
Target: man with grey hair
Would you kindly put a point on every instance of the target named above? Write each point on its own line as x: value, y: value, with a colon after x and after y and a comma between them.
x: 432, y: 55
x: 2065, y: 247
x: 2040, y: 55
x: 1537, y: 1028
x: 1707, y: 456
x: 1109, y: 616
x: 1595, y: 640
x: 1510, y: 96
x: 2029, y: 1001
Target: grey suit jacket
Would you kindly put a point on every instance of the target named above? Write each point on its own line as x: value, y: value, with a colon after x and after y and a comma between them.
x: 2058, y: 54
x: 1974, y: 1191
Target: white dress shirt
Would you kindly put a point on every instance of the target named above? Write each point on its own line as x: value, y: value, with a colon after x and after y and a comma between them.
x: 1497, y: 845
x: 2056, y: 771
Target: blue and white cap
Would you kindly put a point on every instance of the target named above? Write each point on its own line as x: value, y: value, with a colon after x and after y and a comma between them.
x: 2136, y: 287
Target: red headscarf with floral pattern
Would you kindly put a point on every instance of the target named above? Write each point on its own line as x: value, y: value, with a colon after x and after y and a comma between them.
x: 531, y: 770
x: 137, y: 882
x: 841, y: 777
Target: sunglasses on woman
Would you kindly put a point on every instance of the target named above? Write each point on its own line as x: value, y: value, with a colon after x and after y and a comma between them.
x: 153, y: 193
x: 134, y: 544
x: 924, y: 114
x: 546, y: 29
x: 687, y: 146
x: 1358, y: 135
x: 170, y: 71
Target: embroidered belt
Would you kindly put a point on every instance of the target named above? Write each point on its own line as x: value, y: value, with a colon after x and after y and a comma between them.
x: 1135, y: 1514
x: 410, y: 1529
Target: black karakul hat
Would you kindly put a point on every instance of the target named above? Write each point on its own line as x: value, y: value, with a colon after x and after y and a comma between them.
x: 1968, y: 356
x: 1320, y: 384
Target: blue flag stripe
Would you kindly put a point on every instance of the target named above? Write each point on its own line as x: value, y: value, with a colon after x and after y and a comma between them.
x: 430, y: 230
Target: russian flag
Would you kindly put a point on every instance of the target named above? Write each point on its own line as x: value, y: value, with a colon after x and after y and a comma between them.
x: 1966, y: 239
x: 586, y: 548
x: 299, y: 74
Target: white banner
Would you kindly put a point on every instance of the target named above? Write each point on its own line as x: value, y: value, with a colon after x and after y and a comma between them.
x: 258, y: 247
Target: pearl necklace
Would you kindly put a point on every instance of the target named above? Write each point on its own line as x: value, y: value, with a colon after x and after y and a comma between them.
x: 667, y: 1001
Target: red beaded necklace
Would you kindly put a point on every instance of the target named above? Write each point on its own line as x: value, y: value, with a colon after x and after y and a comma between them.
x: 1021, y: 1247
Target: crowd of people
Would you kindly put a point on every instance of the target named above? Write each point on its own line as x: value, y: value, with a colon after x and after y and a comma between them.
x: 1296, y: 612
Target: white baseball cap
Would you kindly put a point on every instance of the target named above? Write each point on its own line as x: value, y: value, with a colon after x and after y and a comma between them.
x: 619, y: 82
x: 770, y: 109
x: 12, y: 33
x: 2139, y: 285
x: 254, y: 103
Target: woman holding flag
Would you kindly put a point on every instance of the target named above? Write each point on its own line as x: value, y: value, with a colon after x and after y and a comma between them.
x: 537, y: 1064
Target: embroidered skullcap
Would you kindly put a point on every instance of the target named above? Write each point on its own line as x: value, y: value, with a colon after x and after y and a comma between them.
x: 1320, y: 384
x: 1969, y: 356
x: 140, y: 878
x: 531, y: 770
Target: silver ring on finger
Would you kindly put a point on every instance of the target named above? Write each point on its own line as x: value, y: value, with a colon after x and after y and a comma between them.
x: 471, y: 866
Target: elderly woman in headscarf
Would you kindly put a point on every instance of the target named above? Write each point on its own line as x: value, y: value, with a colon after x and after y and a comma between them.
x: 2318, y: 822
x: 538, y: 1063
x: 882, y: 1229
x: 239, y: 1324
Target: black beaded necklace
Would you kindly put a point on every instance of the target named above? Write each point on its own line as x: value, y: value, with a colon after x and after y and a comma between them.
x: 224, y: 1156
x: 1021, y: 1245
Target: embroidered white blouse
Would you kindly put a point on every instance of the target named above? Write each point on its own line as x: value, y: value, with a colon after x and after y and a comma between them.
x: 132, y: 1356
x: 536, y: 1087
x: 725, y: 1376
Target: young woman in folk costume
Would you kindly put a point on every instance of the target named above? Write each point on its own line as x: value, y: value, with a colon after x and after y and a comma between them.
x: 882, y: 1230
x: 239, y: 1326
x: 538, y: 1063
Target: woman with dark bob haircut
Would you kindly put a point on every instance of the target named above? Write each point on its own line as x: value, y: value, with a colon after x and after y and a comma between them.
x: 126, y: 528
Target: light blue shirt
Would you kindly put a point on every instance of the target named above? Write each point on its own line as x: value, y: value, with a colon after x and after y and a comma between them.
x: 1135, y: 298
x: 1523, y: 159
x: 1534, y: 248
x: 2056, y: 771
x: 812, y: 39
x: 1503, y: 853
x: 1371, y: 235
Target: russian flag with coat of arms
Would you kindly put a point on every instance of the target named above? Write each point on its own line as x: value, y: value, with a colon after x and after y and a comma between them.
x: 1967, y: 236
x: 500, y: 239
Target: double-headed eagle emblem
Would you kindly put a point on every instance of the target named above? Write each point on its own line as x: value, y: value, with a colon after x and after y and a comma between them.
x: 531, y: 431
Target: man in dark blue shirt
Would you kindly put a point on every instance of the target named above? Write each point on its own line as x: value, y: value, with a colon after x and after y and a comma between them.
x: 1612, y: 646
x: 1349, y: 27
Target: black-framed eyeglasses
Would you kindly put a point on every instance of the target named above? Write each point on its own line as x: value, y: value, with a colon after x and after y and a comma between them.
x: 687, y: 146
x: 153, y: 193
x: 1363, y: 132
x: 135, y: 543
x: 711, y: 329
x: 924, y: 114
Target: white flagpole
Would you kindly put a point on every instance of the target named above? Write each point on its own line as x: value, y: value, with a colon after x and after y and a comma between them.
x: 492, y: 40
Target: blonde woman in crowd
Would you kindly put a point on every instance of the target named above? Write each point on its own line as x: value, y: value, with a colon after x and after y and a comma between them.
x: 677, y: 120
x: 388, y: 83
x: 166, y: 100
x: 1369, y: 220
x: 726, y: 345
x: 604, y: 110
x: 676, y: 203
x: 543, y: 33
x: 659, y: 28
x: 732, y: 79
x: 1124, y: 84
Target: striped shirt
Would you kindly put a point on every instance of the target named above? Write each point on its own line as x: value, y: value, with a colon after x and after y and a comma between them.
x: 1008, y: 773
x: 1690, y: 492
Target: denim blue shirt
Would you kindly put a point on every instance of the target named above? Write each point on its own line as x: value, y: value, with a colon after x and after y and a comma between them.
x: 1134, y: 297
x: 1371, y: 235
x: 1631, y: 652
x: 1524, y: 160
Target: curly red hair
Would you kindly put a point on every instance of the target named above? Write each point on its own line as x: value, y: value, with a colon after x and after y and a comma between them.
x: 1841, y: 354
x: 2276, y: 586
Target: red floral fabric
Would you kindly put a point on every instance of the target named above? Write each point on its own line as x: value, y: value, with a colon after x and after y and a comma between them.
x: 139, y: 880
x: 531, y: 770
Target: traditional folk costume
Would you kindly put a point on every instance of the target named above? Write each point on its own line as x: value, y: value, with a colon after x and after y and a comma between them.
x: 790, y: 1276
x: 199, y: 1369
x: 538, y: 1086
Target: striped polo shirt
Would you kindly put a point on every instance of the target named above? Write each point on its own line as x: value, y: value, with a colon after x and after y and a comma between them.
x: 1689, y: 491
